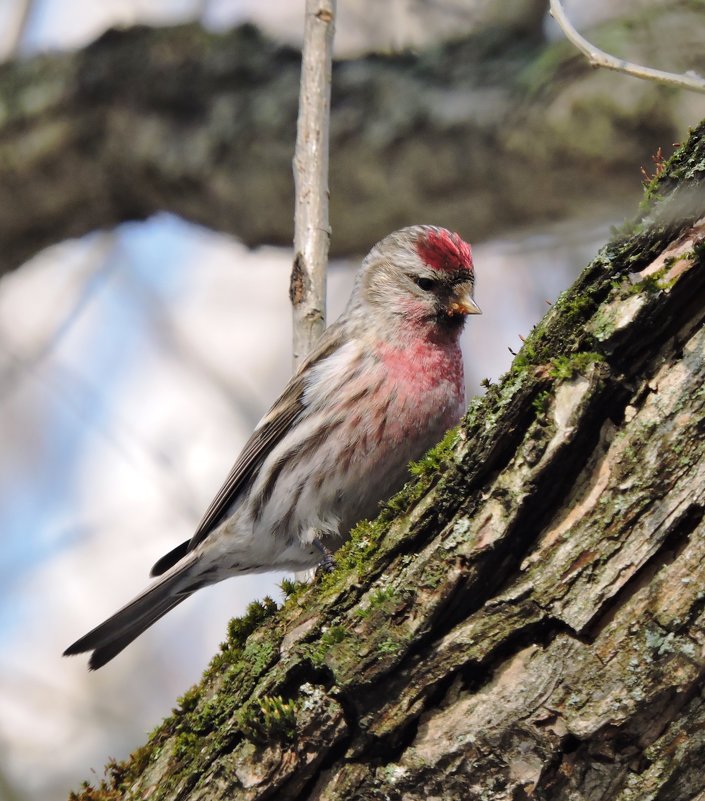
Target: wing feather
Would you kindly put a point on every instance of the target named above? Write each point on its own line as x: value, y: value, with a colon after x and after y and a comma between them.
x: 282, y: 415
x: 285, y: 412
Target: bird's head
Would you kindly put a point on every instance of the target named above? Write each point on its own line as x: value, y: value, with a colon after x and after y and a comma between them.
x: 422, y: 274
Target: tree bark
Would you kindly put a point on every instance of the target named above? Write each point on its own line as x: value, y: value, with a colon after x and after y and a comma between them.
x: 499, y: 128
x: 527, y: 619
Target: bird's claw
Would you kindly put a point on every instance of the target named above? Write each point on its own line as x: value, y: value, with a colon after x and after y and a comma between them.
x: 327, y: 563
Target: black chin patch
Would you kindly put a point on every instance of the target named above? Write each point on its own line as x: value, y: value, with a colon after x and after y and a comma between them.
x: 451, y: 322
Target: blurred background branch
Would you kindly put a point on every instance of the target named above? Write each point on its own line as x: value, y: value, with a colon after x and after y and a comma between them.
x: 489, y: 131
x: 13, y: 33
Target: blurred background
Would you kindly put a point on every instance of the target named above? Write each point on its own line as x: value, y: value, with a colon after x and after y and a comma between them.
x: 134, y: 362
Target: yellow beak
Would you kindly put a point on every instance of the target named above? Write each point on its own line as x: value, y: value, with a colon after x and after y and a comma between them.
x: 465, y: 305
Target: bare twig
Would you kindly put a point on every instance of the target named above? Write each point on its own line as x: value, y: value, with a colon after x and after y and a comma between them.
x: 598, y: 58
x: 15, y: 34
x: 312, y: 230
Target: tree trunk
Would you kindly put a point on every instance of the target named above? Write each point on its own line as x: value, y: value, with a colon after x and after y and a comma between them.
x: 497, y: 129
x: 527, y: 619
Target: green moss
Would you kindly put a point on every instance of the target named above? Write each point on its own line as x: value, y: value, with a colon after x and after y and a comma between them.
x: 651, y: 284
x: 484, y: 412
x: 563, y: 330
x: 575, y: 307
x: 240, y: 628
x: 291, y: 588
x: 257, y: 655
x: 101, y: 793
x: 376, y: 601
x: 564, y: 368
x: 381, y: 596
x: 436, y: 456
x: 389, y: 646
x: 524, y: 359
x: 140, y: 758
x: 686, y: 163
x: 199, y: 727
x: 332, y: 636
x: 184, y: 743
x: 356, y: 554
x: 269, y: 718
x: 189, y: 700
x: 540, y: 403
x: 118, y: 777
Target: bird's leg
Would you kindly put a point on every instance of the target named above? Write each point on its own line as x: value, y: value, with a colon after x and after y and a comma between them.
x: 327, y: 562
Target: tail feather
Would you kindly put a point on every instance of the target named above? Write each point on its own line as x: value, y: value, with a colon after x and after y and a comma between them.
x: 104, y: 653
x: 170, y: 559
x: 118, y: 631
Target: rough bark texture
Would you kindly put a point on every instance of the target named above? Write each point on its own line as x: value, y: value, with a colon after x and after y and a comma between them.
x: 527, y: 620
x: 498, y: 128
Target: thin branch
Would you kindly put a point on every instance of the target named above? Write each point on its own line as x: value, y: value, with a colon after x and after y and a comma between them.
x: 598, y: 58
x: 18, y: 27
x: 311, y: 226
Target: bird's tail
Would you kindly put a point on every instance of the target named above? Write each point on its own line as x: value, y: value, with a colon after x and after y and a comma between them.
x: 118, y: 631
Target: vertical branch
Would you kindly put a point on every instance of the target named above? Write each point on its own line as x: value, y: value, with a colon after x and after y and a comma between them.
x: 311, y: 228
x: 14, y: 36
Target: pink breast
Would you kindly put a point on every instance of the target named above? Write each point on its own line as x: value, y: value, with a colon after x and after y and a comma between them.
x: 429, y: 384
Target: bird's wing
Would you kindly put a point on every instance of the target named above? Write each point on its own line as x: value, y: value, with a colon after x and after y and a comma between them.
x: 270, y: 431
x: 289, y: 408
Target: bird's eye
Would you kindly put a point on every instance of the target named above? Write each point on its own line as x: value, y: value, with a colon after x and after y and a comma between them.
x: 424, y: 283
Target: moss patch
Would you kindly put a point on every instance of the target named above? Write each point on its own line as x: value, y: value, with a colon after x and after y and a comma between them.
x: 566, y: 367
x: 269, y: 718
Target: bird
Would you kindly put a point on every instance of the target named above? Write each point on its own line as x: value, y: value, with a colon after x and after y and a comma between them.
x: 379, y: 388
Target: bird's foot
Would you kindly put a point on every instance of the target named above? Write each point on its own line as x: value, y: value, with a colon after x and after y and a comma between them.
x: 327, y: 563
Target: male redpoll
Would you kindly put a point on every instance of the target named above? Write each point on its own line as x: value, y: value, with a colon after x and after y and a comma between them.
x: 381, y: 386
